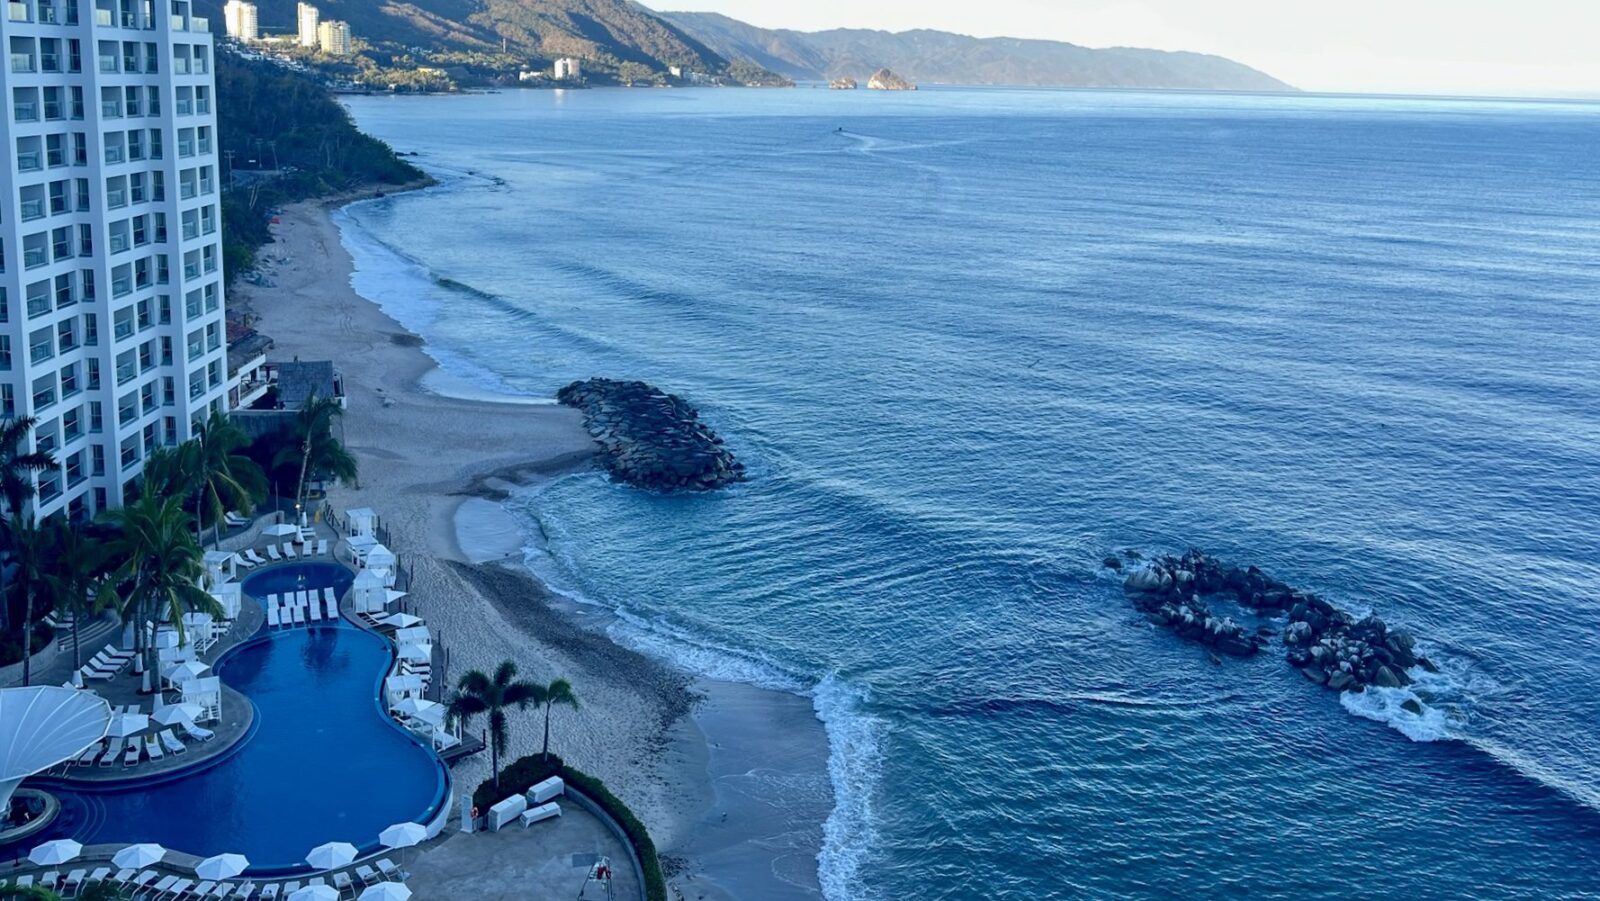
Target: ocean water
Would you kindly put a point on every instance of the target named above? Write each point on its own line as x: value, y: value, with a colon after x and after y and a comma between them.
x: 969, y: 343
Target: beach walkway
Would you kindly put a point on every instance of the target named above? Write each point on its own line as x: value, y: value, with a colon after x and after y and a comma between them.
x: 547, y: 860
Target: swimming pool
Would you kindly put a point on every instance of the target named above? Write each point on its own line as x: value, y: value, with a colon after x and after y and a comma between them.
x: 323, y: 761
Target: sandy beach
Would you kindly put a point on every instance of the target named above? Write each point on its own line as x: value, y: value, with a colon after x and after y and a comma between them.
x: 433, y: 467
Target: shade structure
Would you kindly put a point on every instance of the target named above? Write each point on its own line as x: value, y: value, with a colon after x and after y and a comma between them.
x: 183, y: 672
x: 430, y: 712
x: 281, y: 529
x: 368, y: 593
x: 418, y: 653
x: 402, y: 835
x: 137, y: 857
x: 173, y: 714
x: 222, y: 866
x: 363, y: 521
x: 315, y: 893
x: 55, y: 853
x: 402, y: 620
x: 126, y: 724
x: 414, y: 635
x: 331, y: 855
x: 361, y: 543
x: 395, y: 595
x: 386, y: 891
x: 379, y: 557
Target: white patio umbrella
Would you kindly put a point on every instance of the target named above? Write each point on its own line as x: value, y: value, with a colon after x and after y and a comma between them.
x: 126, y: 724
x: 402, y: 620
x: 386, y: 891
x: 222, y: 866
x: 281, y: 529
x: 173, y: 714
x: 394, y: 595
x: 55, y: 853
x: 402, y: 835
x: 315, y: 893
x: 183, y: 672
x: 137, y: 857
x: 429, y: 712
x: 331, y: 855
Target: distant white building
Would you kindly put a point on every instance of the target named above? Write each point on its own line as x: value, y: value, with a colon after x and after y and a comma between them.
x: 333, y: 37
x: 309, y: 19
x: 242, y: 21
x: 568, y: 69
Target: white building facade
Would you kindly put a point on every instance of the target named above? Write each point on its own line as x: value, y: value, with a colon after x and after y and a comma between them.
x: 242, y: 21
x: 568, y: 69
x: 308, y: 18
x: 333, y: 37
x: 111, y: 297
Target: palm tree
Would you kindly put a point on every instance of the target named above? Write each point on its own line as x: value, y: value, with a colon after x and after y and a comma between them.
x: 477, y: 693
x: 162, y: 565
x: 228, y: 480
x: 315, y: 447
x: 29, y: 544
x: 557, y: 692
x: 77, y: 582
x: 17, y: 466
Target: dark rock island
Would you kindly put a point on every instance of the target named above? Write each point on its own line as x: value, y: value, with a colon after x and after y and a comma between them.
x: 1328, y: 645
x: 649, y: 438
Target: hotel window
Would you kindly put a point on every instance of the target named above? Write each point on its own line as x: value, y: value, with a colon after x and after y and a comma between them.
x: 130, y: 451
x: 153, y: 100
x: 81, y: 186
x: 128, y: 408
x: 5, y: 353
x: 191, y: 304
x: 97, y: 460
x: 130, y: 104
x: 64, y: 296
x: 67, y: 334
x: 55, y: 151
x: 211, y: 298
x: 80, y: 149
x: 5, y: 305
x: 166, y: 351
x: 111, y: 103
x: 127, y: 367
x: 38, y: 299
x: 97, y: 418
x: 44, y: 391
x: 69, y: 381
x: 196, y: 344
x: 77, y: 99
x: 147, y: 397
x: 197, y: 383
x: 8, y: 400
x: 72, y: 424
x: 94, y: 373
x: 136, y: 187
x: 91, y: 329
x: 61, y: 247
x: 41, y: 345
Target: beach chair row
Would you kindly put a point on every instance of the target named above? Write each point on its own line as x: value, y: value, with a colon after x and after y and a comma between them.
x: 138, y: 748
x: 299, y: 608
x: 106, y: 664
x: 276, y: 553
x: 151, y: 884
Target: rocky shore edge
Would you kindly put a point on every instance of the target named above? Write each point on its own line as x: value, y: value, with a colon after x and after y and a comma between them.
x: 1327, y: 645
x: 649, y: 438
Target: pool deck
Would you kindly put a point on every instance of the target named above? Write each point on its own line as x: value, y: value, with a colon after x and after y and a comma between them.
x: 238, y: 713
x: 544, y: 862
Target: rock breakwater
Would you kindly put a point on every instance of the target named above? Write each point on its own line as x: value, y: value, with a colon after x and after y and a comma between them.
x: 649, y: 438
x: 1328, y: 645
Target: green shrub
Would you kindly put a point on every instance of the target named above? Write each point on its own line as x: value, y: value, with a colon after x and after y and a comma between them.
x: 533, y: 769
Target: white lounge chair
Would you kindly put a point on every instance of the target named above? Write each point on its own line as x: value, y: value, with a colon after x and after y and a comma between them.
x: 198, y: 733
x: 153, y: 748
x: 113, y: 751
x: 69, y: 886
x: 388, y: 869
x: 160, y: 888
x: 239, y: 559
x: 92, y: 753
x: 537, y: 814
x: 203, y: 889
x: 366, y: 874
x: 299, y: 615
x: 289, y: 551
x: 235, y: 520
x: 314, y: 612
x: 89, y: 672
x: 130, y: 757
x: 341, y: 881
x: 171, y: 743
x: 250, y: 554
x: 272, y: 617
x: 273, y: 555
x: 115, y: 652
x: 269, y: 891
x: 244, y: 890
x: 178, y: 889
x: 322, y: 548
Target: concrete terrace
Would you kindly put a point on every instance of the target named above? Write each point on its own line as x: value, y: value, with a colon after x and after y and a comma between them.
x: 547, y: 860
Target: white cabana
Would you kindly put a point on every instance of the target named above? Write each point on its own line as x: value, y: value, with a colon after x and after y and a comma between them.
x: 200, y: 629
x: 424, y: 711
x: 368, y: 593
x: 230, y: 595
x: 360, y: 544
x: 401, y: 620
x: 380, y: 558
x: 206, y: 693
x: 221, y: 567
x: 413, y: 635
x: 361, y: 521
x: 416, y: 653
x: 173, y: 714
x: 185, y: 672
x: 399, y: 688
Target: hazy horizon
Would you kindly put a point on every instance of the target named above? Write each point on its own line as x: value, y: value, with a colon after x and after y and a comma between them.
x: 1540, y: 48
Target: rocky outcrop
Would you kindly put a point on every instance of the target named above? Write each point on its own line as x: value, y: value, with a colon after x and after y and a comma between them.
x: 884, y: 80
x: 651, y: 439
x: 843, y: 84
x: 1327, y: 645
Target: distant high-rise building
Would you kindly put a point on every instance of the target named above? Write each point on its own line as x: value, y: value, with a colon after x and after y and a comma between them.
x: 241, y: 20
x: 309, y: 18
x: 333, y: 37
x: 111, y: 298
x: 568, y: 69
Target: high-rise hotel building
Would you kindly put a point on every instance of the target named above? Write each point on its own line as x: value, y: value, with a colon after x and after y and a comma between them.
x: 111, y: 297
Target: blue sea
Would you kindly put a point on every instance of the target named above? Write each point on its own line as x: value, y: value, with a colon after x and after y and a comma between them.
x: 969, y: 342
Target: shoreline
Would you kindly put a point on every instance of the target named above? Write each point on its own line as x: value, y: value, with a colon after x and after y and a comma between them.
x: 642, y: 726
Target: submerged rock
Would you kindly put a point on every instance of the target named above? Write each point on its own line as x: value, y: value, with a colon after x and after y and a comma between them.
x: 651, y: 439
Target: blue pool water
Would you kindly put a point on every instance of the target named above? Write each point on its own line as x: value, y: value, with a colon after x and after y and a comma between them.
x: 324, y: 763
x: 970, y: 341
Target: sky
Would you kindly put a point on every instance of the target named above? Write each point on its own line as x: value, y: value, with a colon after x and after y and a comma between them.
x: 1499, y: 47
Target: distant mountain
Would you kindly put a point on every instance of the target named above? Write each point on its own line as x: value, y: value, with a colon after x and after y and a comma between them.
x: 614, y: 31
x: 938, y: 57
